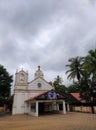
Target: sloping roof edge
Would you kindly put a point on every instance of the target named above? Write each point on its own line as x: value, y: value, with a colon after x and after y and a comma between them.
x: 76, y: 96
x: 39, y: 94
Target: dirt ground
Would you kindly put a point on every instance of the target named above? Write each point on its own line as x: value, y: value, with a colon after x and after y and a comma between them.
x: 70, y: 121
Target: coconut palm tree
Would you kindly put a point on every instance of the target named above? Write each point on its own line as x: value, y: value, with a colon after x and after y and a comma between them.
x: 84, y: 69
x: 58, y: 80
x: 88, y: 82
x: 90, y: 63
x: 75, y: 68
x: 59, y: 87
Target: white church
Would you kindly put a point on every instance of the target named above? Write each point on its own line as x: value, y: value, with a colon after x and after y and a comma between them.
x: 36, y: 97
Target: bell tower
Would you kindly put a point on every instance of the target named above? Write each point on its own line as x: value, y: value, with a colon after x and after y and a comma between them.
x: 21, y: 78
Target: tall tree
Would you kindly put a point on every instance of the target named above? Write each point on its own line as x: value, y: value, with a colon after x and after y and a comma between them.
x: 88, y: 82
x: 90, y: 63
x: 59, y: 87
x: 5, y: 83
x: 75, y: 68
x: 73, y: 88
x: 58, y: 80
x: 84, y: 69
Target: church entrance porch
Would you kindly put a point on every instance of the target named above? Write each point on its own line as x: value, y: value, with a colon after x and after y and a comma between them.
x: 46, y: 102
x: 45, y: 108
x: 50, y: 107
x: 42, y: 107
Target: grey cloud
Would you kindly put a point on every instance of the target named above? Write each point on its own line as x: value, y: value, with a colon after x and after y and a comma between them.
x: 28, y: 18
x: 45, y: 32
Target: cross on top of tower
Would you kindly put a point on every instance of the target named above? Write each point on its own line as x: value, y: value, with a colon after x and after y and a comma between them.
x: 38, y: 67
x: 38, y: 73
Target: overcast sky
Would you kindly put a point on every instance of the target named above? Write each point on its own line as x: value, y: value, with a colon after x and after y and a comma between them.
x: 45, y: 33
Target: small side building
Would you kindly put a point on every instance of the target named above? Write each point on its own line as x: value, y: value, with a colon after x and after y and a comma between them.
x: 36, y: 97
x: 79, y: 105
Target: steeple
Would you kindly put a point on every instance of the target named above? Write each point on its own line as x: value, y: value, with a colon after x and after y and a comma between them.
x: 38, y: 67
x: 38, y: 73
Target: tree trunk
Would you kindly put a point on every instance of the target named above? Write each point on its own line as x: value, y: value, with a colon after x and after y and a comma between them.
x: 92, y: 109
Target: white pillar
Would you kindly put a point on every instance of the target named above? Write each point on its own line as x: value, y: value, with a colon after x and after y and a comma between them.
x: 58, y: 106
x: 64, y: 108
x: 68, y: 108
x: 37, y: 109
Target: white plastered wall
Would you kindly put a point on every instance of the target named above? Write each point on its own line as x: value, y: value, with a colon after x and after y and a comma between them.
x: 44, y: 85
x: 19, y: 105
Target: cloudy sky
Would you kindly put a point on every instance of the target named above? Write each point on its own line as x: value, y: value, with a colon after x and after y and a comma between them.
x: 45, y: 33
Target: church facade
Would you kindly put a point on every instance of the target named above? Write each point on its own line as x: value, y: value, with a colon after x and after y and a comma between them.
x: 35, y: 97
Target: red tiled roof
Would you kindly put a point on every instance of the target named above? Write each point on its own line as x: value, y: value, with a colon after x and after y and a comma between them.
x: 77, y: 96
